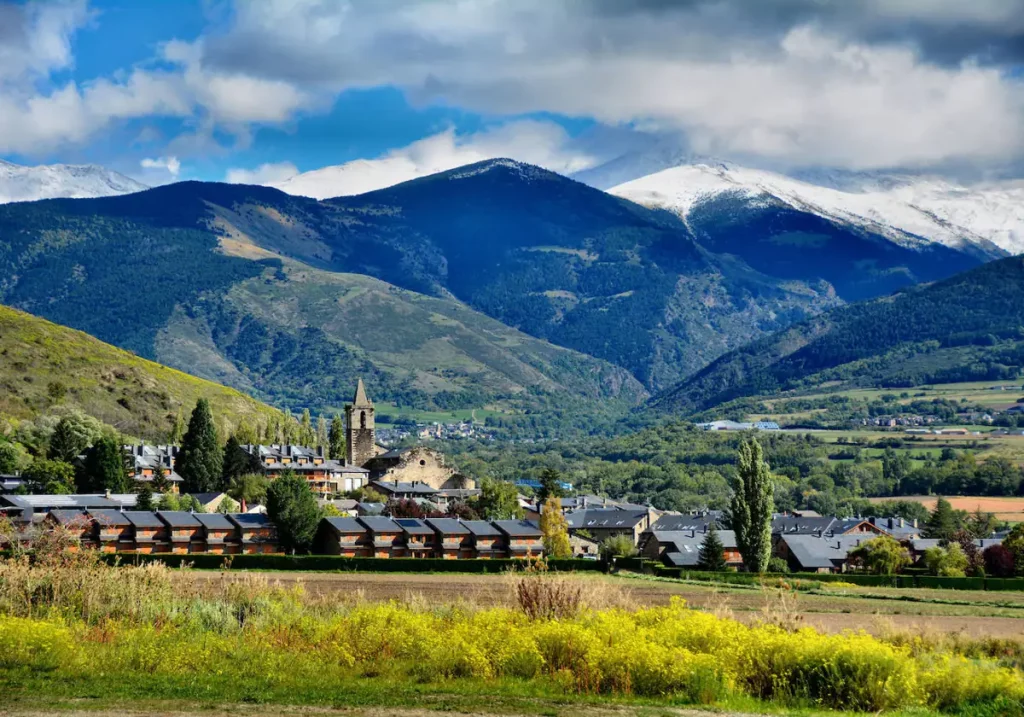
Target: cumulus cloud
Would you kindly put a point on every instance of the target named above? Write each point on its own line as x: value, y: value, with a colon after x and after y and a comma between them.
x: 542, y: 143
x: 270, y: 173
x: 859, y: 85
x: 169, y: 164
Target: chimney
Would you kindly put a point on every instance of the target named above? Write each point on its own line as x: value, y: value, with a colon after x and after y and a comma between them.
x: 319, y: 451
x: 915, y: 522
x: 106, y: 493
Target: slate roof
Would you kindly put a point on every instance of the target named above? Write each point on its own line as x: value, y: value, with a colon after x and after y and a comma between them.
x: 379, y: 524
x: 518, y: 528
x: 448, y: 526
x: 54, y: 502
x: 404, y: 487
x: 684, y: 545
x: 605, y: 518
x: 143, y: 519
x: 178, y: 518
x: 346, y: 525
x: 214, y: 521
x: 77, y: 518
x: 813, y: 552
x: 250, y: 521
x: 670, y: 523
x: 481, y: 528
x: 793, y: 525
x: 111, y: 518
x: 370, y: 508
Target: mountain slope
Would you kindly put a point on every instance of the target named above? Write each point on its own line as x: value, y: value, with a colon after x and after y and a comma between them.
x: 24, y: 184
x: 45, y: 366
x: 958, y: 329
x: 199, y: 276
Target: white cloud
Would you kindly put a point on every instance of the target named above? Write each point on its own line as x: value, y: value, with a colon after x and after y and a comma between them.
x: 270, y: 173
x: 542, y: 143
x: 169, y: 164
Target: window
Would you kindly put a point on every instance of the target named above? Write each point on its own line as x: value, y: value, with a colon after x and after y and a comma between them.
x: 362, y: 419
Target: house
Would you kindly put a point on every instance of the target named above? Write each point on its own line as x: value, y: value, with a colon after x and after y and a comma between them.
x: 113, y: 532
x: 918, y: 546
x: 398, y: 490
x: 144, y: 461
x: 799, y: 525
x: 149, y: 533
x: 326, y: 476
x: 345, y: 506
x: 258, y: 533
x: 452, y: 539
x: 897, y: 527
x: 417, y: 538
x: 417, y: 465
x: 77, y: 523
x: 682, y: 548
x: 343, y: 536
x: 210, y: 501
x: 385, y: 537
x: 219, y: 535
x: 29, y: 504
x: 369, y: 508
x: 447, y: 497
x: 661, y: 537
x: 485, y: 538
x: 817, y: 554
x: 184, y: 531
x: 584, y: 547
x: 520, y: 538
x: 604, y: 523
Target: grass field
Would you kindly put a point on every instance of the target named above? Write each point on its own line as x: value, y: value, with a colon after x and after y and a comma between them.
x: 1008, y: 509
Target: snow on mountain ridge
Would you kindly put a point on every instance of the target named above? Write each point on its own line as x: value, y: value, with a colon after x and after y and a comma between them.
x: 73, y: 181
x: 908, y: 210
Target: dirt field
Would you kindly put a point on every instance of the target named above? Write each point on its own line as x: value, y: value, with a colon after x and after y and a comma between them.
x: 996, y: 614
x: 1008, y: 509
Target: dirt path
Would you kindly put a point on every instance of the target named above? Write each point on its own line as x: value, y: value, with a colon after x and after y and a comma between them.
x: 825, y: 613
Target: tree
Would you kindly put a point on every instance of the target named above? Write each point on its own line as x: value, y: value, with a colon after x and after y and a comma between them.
x: 246, y: 433
x: 104, y: 468
x: 982, y: 524
x: 227, y: 506
x: 201, y: 458
x: 237, y: 462
x: 190, y: 503
x: 712, y: 553
x: 550, y: 485
x: 752, y: 507
x: 13, y: 458
x: 975, y: 562
x: 161, y: 483
x: 144, y: 499
x: 998, y: 561
x: 949, y: 562
x: 248, y: 489
x: 177, y: 430
x: 336, y: 438
x: 462, y: 511
x: 942, y: 521
x: 168, y: 501
x: 555, y: 529
x: 617, y: 546
x: 50, y: 477
x: 292, y: 507
x: 883, y: 555
x: 1014, y: 542
x: 307, y: 436
x: 322, y: 439
x: 67, y: 441
x: 498, y: 500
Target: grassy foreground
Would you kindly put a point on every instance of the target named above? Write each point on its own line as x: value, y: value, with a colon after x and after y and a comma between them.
x: 76, y: 630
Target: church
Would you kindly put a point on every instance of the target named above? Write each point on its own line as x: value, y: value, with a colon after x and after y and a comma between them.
x: 418, y: 464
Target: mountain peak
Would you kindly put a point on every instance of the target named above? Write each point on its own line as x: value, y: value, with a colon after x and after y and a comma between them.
x: 19, y: 183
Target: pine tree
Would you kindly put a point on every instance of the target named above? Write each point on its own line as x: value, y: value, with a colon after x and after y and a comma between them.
x: 550, y: 485
x: 555, y: 529
x: 942, y: 521
x: 104, y: 468
x: 144, y: 501
x: 752, y: 507
x: 66, y: 443
x: 336, y: 438
x: 237, y: 462
x: 321, y: 432
x: 160, y: 482
x: 201, y: 458
x: 712, y: 553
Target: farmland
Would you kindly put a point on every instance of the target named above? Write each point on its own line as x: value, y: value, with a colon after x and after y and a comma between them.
x: 1009, y: 509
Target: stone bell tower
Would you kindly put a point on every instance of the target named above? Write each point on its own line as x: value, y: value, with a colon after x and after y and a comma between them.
x: 360, y: 437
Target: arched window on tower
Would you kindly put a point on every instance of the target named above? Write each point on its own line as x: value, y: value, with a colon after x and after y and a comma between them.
x: 362, y: 419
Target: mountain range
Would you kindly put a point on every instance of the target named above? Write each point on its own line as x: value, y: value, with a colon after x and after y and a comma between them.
x: 495, y: 282
x: 22, y: 184
x: 968, y: 327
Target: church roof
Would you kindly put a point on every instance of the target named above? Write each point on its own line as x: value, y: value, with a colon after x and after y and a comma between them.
x: 360, y: 399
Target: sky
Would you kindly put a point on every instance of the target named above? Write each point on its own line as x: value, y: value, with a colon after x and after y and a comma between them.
x: 259, y: 90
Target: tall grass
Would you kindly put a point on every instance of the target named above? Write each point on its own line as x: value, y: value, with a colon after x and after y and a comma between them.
x: 154, y: 631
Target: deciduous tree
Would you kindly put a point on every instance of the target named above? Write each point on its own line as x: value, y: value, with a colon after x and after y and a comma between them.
x: 555, y: 529
x: 882, y: 555
x: 752, y: 507
x: 292, y: 507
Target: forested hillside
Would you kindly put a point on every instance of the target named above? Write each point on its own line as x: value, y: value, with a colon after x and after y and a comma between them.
x: 968, y: 327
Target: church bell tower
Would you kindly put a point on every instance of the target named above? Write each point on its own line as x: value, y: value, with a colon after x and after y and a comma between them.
x: 360, y: 439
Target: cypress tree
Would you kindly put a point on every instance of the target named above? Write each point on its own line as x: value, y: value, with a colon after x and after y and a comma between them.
x: 336, y: 438
x: 712, y: 553
x: 105, y: 468
x: 752, y: 506
x: 321, y: 432
x: 201, y: 458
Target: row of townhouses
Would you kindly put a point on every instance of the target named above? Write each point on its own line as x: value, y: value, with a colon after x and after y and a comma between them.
x: 448, y: 538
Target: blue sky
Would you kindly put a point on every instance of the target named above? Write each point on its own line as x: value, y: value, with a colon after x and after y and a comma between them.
x: 256, y: 91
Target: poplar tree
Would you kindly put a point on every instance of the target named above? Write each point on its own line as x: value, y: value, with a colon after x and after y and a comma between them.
x: 555, y: 529
x: 321, y: 431
x: 201, y: 458
x: 336, y: 438
x: 307, y: 436
x: 752, y: 507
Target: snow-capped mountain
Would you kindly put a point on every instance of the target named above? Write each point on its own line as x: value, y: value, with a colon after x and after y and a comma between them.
x: 910, y: 210
x: 24, y: 184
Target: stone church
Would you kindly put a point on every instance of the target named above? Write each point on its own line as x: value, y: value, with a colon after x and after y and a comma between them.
x: 404, y: 465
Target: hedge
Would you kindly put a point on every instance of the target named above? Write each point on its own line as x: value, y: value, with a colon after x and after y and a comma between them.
x: 888, y: 581
x: 314, y: 563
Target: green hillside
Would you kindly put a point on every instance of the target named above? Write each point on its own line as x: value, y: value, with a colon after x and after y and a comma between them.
x: 45, y: 367
x: 966, y: 328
